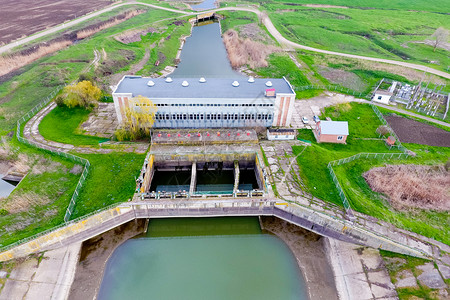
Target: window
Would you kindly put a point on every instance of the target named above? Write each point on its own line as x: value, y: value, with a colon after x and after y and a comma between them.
x: 379, y: 97
x: 270, y: 117
x: 340, y: 138
x: 225, y: 116
x: 184, y: 116
x: 208, y: 117
x: 218, y: 116
x: 167, y: 117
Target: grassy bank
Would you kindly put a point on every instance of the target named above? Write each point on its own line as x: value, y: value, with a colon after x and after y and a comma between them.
x: 62, y: 125
x: 281, y: 65
x: 40, y: 201
x: 429, y: 223
x: 111, y: 180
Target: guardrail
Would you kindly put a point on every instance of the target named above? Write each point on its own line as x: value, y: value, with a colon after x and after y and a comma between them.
x: 42, y: 233
x: 74, y: 158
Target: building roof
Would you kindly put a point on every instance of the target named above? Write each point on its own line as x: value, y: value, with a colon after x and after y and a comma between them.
x: 211, y: 88
x: 386, y: 93
x: 282, y: 131
x: 334, y: 127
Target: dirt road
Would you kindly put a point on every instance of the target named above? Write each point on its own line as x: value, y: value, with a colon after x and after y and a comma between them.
x: 262, y: 15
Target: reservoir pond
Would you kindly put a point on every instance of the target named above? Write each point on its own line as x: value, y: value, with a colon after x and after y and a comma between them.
x: 203, y: 258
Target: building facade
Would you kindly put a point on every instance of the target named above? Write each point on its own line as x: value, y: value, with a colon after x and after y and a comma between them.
x: 209, y: 103
x: 331, y: 132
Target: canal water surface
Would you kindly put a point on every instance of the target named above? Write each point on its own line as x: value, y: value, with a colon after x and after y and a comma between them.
x: 207, y: 258
x: 204, y: 55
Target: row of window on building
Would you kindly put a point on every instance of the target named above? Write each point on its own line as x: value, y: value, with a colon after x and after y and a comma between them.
x: 228, y: 105
x: 160, y: 116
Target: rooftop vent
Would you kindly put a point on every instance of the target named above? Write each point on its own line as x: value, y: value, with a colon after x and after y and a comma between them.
x: 251, y: 79
x: 202, y: 80
x: 150, y: 83
x: 185, y: 83
x: 169, y: 80
x: 235, y: 83
x: 269, y: 83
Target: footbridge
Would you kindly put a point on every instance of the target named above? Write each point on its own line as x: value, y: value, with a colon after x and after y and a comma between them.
x: 318, y: 222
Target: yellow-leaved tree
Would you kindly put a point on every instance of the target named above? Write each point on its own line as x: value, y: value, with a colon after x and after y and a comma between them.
x: 83, y: 94
x: 138, y: 119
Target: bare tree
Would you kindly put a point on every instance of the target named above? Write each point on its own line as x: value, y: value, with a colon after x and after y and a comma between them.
x: 440, y: 37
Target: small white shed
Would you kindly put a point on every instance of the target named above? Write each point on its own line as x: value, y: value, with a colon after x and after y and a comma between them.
x: 382, y: 97
x: 281, y: 134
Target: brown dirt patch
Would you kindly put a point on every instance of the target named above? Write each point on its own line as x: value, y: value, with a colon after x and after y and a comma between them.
x: 412, y: 186
x: 344, y: 78
x: 25, y: 17
x: 411, y: 131
x: 324, y: 6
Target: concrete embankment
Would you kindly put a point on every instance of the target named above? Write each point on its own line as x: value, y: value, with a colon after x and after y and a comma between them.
x: 309, y: 251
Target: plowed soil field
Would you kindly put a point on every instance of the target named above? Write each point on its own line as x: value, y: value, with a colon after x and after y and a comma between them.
x: 20, y: 18
x: 410, y: 131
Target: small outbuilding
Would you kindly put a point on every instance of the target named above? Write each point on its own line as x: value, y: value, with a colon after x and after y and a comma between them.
x: 382, y: 97
x: 331, y: 132
x: 281, y: 134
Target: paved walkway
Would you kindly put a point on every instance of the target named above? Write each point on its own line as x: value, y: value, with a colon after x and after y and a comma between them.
x: 31, y: 133
x: 47, y: 278
x: 262, y: 15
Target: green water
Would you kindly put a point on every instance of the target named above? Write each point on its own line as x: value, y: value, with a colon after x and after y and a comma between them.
x: 208, y: 258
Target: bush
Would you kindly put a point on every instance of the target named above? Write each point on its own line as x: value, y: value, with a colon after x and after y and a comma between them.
x: 83, y: 94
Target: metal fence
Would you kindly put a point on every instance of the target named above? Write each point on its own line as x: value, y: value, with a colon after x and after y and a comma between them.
x: 332, y: 88
x: 338, y: 162
x: 74, y: 158
x: 391, y: 132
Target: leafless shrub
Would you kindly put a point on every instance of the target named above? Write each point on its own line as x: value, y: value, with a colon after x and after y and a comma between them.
x: 24, y: 201
x: 82, y: 34
x: 412, y: 186
x: 47, y: 166
x: 133, y: 35
x: 245, y: 51
x: 10, y: 63
x: 77, y: 169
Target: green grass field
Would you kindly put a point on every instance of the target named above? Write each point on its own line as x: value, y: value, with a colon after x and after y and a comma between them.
x: 314, y: 160
x: 394, y: 30
x: 61, y: 125
x: 362, y: 125
x: 111, y: 180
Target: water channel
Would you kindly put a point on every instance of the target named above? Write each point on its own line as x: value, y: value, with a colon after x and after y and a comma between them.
x: 203, y: 258
x: 204, y: 55
x: 6, y: 187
